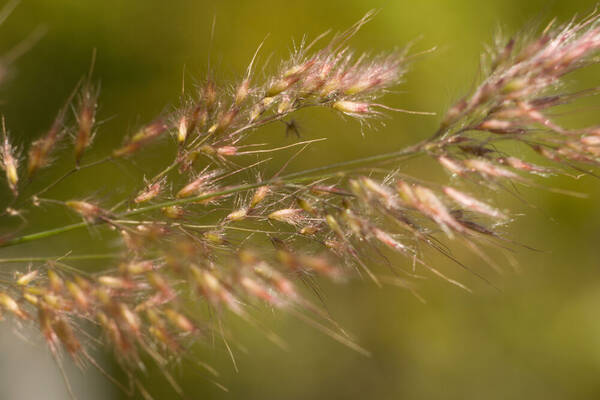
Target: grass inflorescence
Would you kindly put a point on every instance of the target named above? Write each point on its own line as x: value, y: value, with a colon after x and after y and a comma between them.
x: 319, y: 223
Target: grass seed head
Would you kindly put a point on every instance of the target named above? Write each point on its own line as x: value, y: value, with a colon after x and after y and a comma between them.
x: 237, y: 215
x: 179, y: 321
x: 141, y: 138
x: 292, y: 216
x: 149, y: 193
x: 85, y: 115
x: 182, y: 129
x: 90, y: 212
x: 9, y: 162
x: 65, y: 333
x: 352, y: 108
x: 9, y: 304
x: 173, y: 212
x: 472, y: 204
x: 242, y: 92
x: 26, y: 279
x: 259, y: 195
x: 79, y: 295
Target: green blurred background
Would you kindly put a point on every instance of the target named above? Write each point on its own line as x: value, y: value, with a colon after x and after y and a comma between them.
x: 538, y: 338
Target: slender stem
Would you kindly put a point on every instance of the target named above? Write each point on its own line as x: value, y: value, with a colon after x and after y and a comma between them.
x: 75, y: 169
x: 164, y: 171
x: 81, y: 257
x: 300, y: 176
x: 42, y: 235
x: 408, y: 151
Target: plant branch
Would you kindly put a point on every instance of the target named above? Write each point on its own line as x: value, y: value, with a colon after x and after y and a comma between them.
x: 300, y: 176
x: 79, y: 257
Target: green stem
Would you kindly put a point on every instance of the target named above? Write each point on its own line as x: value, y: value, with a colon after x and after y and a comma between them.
x: 300, y: 176
x: 81, y: 257
x: 42, y: 235
x: 164, y: 172
x: 75, y: 169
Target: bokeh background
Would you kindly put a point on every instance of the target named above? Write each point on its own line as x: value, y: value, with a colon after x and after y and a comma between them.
x: 537, y: 338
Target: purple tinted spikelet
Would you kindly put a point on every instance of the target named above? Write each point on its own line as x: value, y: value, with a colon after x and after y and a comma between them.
x: 41, y: 150
x: 141, y: 138
x: 150, y: 192
x: 85, y: 115
x: 9, y: 161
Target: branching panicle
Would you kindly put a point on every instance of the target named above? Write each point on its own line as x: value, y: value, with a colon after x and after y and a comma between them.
x: 320, y: 222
